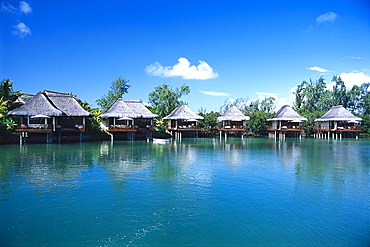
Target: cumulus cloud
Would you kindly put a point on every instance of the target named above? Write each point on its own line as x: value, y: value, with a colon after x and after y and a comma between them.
x: 24, y: 7
x: 354, y: 78
x: 318, y: 69
x: 21, y: 30
x: 183, y: 69
x: 327, y: 17
x: 213, y: 93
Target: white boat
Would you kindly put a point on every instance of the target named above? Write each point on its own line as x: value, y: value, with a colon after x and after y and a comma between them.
x: 161, y: 140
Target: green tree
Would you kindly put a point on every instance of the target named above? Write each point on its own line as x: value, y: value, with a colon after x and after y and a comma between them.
x: 240, y: 103
x: 209, y: 124
x: 118, y: 88
x: 163, y: 99
x: 258, y: 111
x: 257, y: 125
x: 312, y: 96
x: 7, y: 92
x: 339, y: 93
x: 364, y: 104
x: 3, y: 107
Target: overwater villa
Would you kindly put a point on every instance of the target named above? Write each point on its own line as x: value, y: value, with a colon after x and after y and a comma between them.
x: 183, y: 121
x: 338, y: 122
x: 286, y: 123
x: 127, y: 117
x: 232, y: 120
x: 51, y: 112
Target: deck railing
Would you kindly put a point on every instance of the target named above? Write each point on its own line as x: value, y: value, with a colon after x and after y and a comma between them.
x: 285, y: 128
x: 34, y: 128
x: 184, y: 127
x: 121, y: 127
x: 71, y: 128
x: 340, y: 128
x: 231, y: 128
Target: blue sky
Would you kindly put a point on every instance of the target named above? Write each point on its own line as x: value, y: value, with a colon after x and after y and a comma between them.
x: 223, y: 50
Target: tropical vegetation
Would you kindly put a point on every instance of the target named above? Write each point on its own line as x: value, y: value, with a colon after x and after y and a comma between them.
x: 312, y: 99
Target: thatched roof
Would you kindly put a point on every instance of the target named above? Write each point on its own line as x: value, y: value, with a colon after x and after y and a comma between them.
x: 119, y: 109
x: 286, y: 113
x: 21, y: 100
x: 140, y: 109
x: 232, y: 114
x: 183, y: 112
x: 338, y: 113
x: 37, y: 105
x: 67, y: 104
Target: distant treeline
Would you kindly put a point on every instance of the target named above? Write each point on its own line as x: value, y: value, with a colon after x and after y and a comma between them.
x: 312, y: 100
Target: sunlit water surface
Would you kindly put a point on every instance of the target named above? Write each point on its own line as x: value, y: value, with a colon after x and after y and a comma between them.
x: 193, y: 192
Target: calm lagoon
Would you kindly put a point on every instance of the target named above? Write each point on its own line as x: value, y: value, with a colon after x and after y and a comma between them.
x: 193, y: 192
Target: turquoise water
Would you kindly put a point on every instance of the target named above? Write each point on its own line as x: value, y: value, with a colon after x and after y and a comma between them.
x: 193, y: 192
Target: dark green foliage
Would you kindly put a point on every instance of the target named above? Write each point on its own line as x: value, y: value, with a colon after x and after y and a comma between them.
x: 6, y: 91
x: 93, y: 123
x: 313, y: 100
x: 118, y: 88
x: 209, y: 124
x: 258, y: 111
x: 365, y: 124
x: 7, y: 123
x: 257, y: 125
x: 314, y: 96
x: 164, y: 100
x: 310, y: 124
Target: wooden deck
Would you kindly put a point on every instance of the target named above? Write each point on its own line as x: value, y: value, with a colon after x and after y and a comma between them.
x: 285, y: 128
x: 190, y: 128
x: 122, y: 128
x: 231, y: 129
x: 339, y: 129
x: 35, y: 128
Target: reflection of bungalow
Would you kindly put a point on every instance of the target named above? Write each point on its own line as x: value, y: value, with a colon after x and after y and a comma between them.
x: 336, y: 121
x: 51, y: 112
x: 286, y: 122
x: 232, y: 120
x: 129, y: 117
x: 182, y: 120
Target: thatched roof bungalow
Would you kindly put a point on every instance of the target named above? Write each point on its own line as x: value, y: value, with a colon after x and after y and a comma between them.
x: 36, y: 115
x: 182, y: 118
x: 67, y: 104
x: 50, y: 111
x: 127, y: 115
x: 339, y: 119
x: 233, y: 120
x: 286, y: 121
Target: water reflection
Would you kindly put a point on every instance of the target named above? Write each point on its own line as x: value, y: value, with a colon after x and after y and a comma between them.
x: 312, y: 161
x: 251, y: 190
x: 43, y: 167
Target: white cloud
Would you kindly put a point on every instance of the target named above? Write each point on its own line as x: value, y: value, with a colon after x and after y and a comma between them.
x: 351, y: 79
x: 327, y: 17
x: 318, y: 69
x: 279, y: 101
x: 6, y: 7
x: 21, y: 30
x: 357, y: 58
x: 212, y: 93
x: 25, y: 7
x: 183, y: 69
